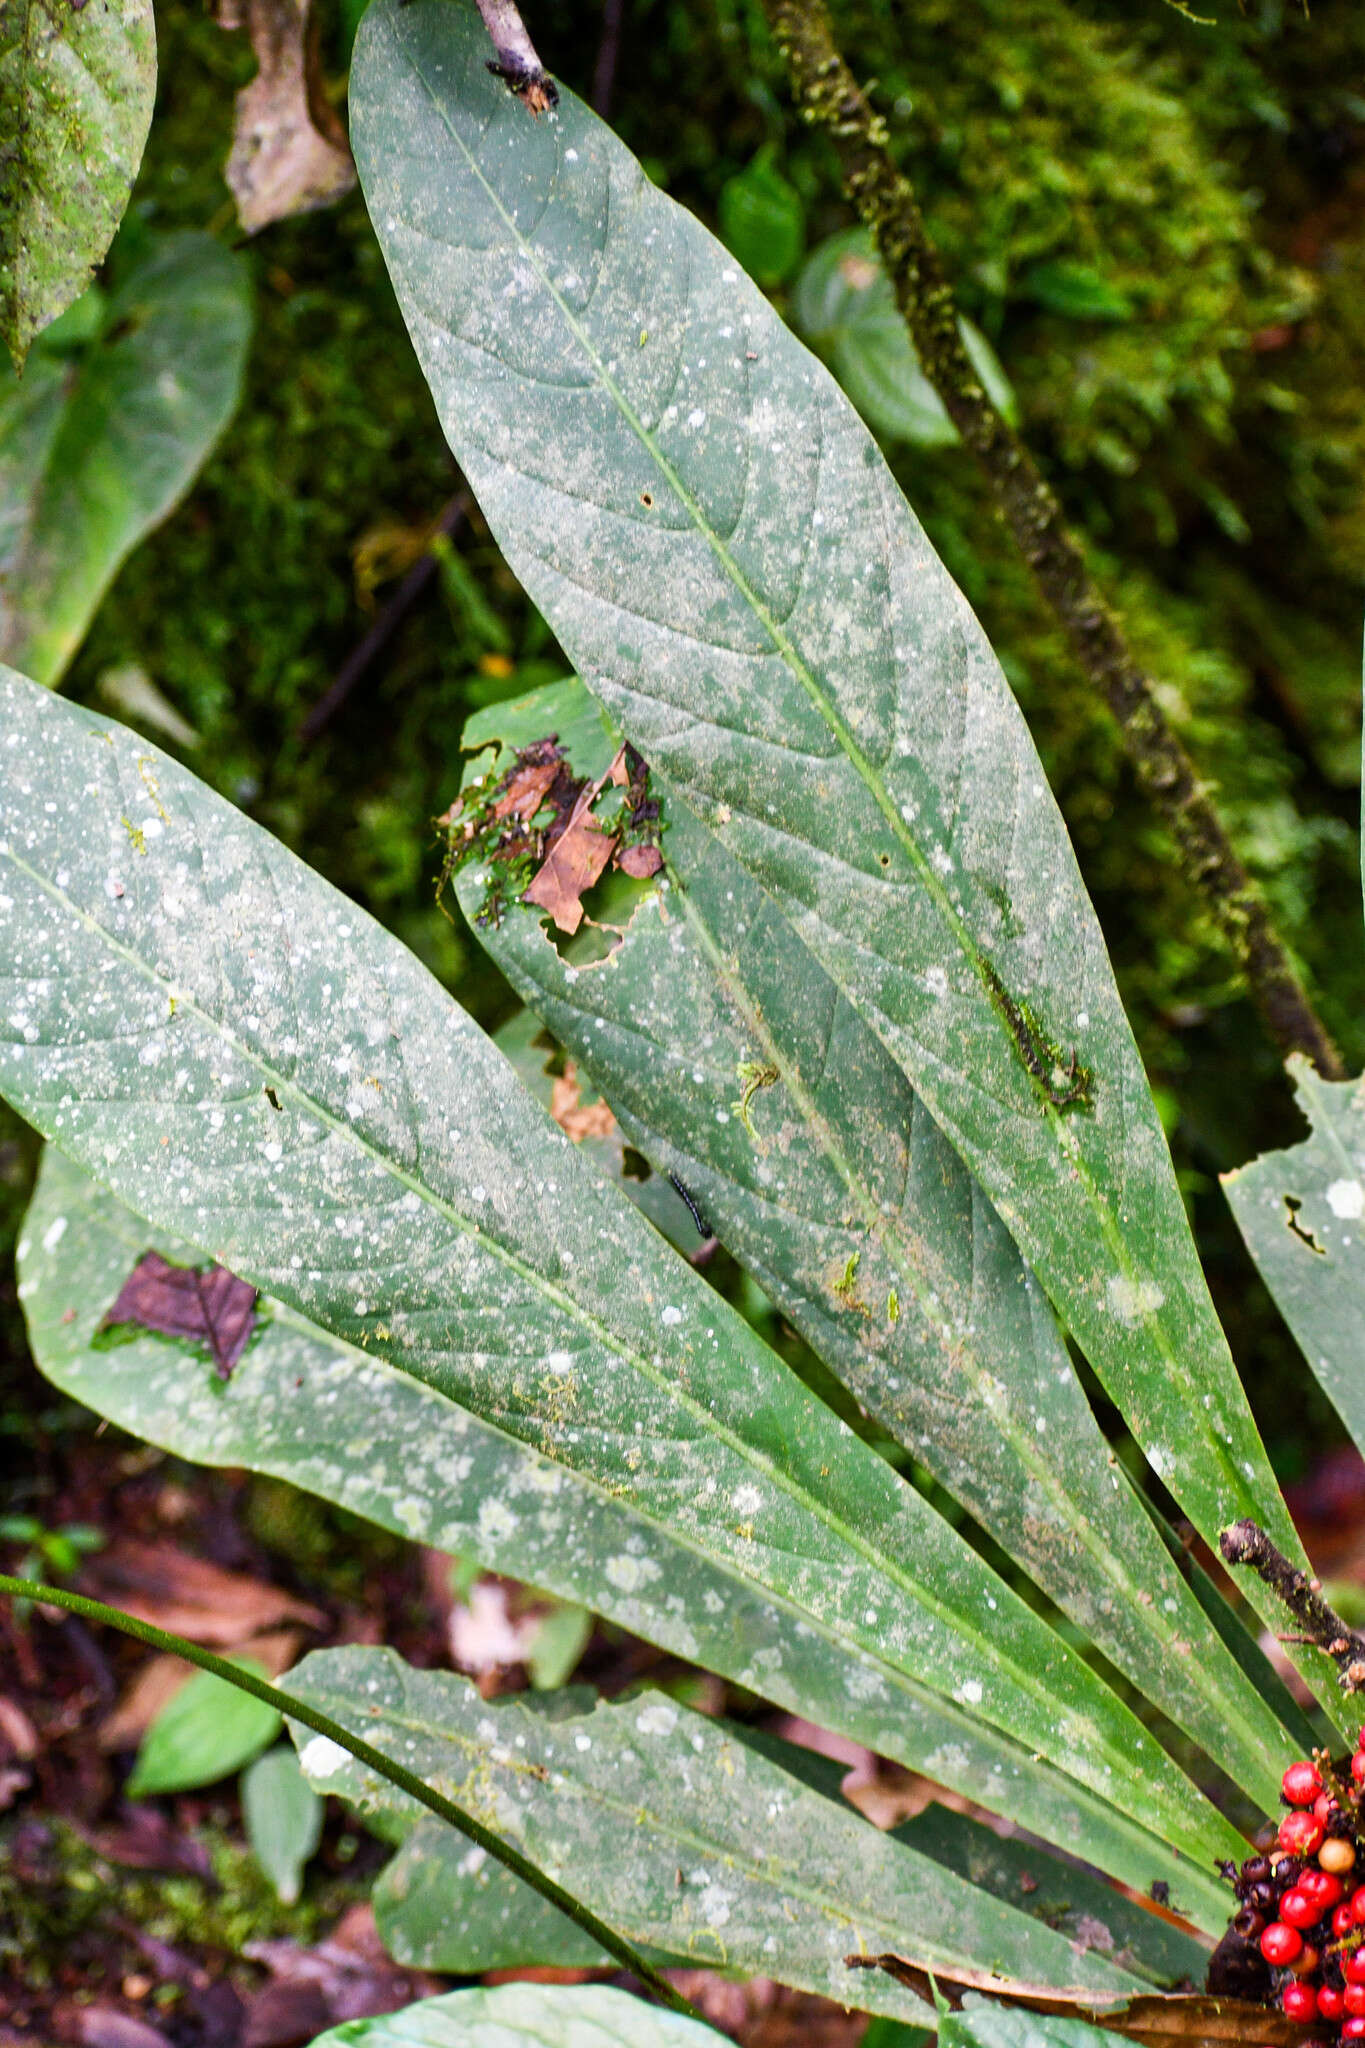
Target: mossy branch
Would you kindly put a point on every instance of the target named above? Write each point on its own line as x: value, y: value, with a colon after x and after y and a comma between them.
x: 1246, y: 1543
x: 829, y: 97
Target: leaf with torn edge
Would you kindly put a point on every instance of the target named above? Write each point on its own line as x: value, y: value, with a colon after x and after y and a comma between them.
x: 289, y: 152
x: 1159, y: 2019
x: 209, y: 1305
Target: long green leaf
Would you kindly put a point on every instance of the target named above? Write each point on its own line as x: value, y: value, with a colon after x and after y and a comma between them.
x: 707, y: 525
x: 326, y: 1415
x: 1302, y: 1213
x: 195, y: 1017
x: 834, y: 1186
x: 96, y: 447
x: 679, y: 1834
x: 524, y: 2016
x: 76, y: 92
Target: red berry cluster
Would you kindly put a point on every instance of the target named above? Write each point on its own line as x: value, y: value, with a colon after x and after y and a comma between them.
x: 1301, y: 1916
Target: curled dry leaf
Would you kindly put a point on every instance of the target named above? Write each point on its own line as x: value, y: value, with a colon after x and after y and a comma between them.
x: 210, y: 1305
x: 1175, y: 2019
x: 572, y: 865
x: 289, y: 150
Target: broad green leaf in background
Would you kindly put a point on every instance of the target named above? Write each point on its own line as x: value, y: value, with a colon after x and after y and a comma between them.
x: 193, y: 1015
x: 525, y: 2016
x: 1302, y: 1213
x: 103, y: 437
x: 762, y: 219
x: 982, y: 2024
x: 76, y: 92
x: 845, y: 307
x: 777, y: 1880
x: 205, y: 1731
x: 833, y: 1185
x: 282, y: 1815
x: 728, y: 563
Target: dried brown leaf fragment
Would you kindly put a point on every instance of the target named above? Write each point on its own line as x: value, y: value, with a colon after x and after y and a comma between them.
x: 289, y: 152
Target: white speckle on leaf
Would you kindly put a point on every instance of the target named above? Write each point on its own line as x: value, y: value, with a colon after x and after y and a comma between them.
x: 968, y: 1694
x: 671, y: 1316
x: 1131, y: 1300
x: 321, y: 1757
x: 657, y: 1717
x: 1346, y: 1198
x: 55, y: 1232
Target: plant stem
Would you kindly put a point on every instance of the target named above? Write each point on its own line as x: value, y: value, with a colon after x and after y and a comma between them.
x: 828, y: 96
x: 1247, y: 1543
x: 517, y: 63
x: 374, y: 1759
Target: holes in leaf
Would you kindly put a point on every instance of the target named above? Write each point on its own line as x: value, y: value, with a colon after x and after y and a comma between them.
x: 647, y: 500
x: 1293, y: 1204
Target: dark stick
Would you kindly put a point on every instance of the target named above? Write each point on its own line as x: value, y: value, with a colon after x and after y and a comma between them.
x: 1246, y: 1543
x: 827, y: 95
x: 608, y: 53
x: 362, y: 658
x: 517, y: 63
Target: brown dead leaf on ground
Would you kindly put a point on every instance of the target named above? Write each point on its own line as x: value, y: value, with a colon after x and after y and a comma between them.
x: 640, y: 862
x: 761, y: 2014
x: 289, y: 151
x: 189, y: 1597
x: 350, y: 1975
x: 576, y: 1119
x: 528, y: 789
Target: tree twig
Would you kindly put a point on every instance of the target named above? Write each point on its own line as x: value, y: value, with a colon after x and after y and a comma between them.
x: 516, y: 61
x: 363, y: 657
x: 608, y: 54
x: 1246, y: 1543
x: 828, y: 96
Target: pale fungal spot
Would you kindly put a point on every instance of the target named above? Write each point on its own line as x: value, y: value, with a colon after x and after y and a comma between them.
x: 657, y: 1717
x: 273, y: 1151
x: 747, y: 1500
x: 936, y: 981
x: 1082, y: 1020
x: 968, y: 1694
x: 1131, y: 1300
x: 321, y: 1757
x: 55, y: 1232
x: 582, y: 1742
x: 1346, y: 1198
x: 629, y: 1574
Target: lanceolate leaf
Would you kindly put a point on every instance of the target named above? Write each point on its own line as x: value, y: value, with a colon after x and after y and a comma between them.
x: 76, y: 92
x: 525, y: 2016
x: 775, y: 1879
x: 192, y: 1014
x: 732, y: 1060
x: 1302, y: 1213
x: 110, y: 437
x: 712, y: 533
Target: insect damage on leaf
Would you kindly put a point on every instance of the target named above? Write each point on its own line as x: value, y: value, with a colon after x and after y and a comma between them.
x: 1066, y: 1083
x: 210, y: 1306
x: 753, y: 1075
x: 545, y: 839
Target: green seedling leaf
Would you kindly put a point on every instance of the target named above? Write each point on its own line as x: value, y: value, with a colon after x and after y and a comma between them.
x: 559, y: 1642
x: 525, y: 2016
x: 762, y: 219
x: 728, y: 563
x: 283, y: 1819
x: 203, y: 1733
x: 776, y: 1880
x: 101, y: 440
x: 846, y: 308
x: 829, y: 1181
x: 1302, y: 1214
x: 76, y: 92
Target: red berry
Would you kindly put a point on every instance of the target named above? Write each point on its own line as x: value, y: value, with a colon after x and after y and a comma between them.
x: 1354, y: 1966
x: 1301, y: 1784
x: 1353, y: 2029
x: 1325, y: 1805
x: 1300, y: 2001
x: 1321, y: 1886
x: 1358, y: 1905
x: 1343, y: 1920
x: 1353, y: 1998
x: 1280, y: 1944
x: 1298, y: 1909
x: 1358, y: 1766
x: 1331, y: 2003
x: 1301, y: 1834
